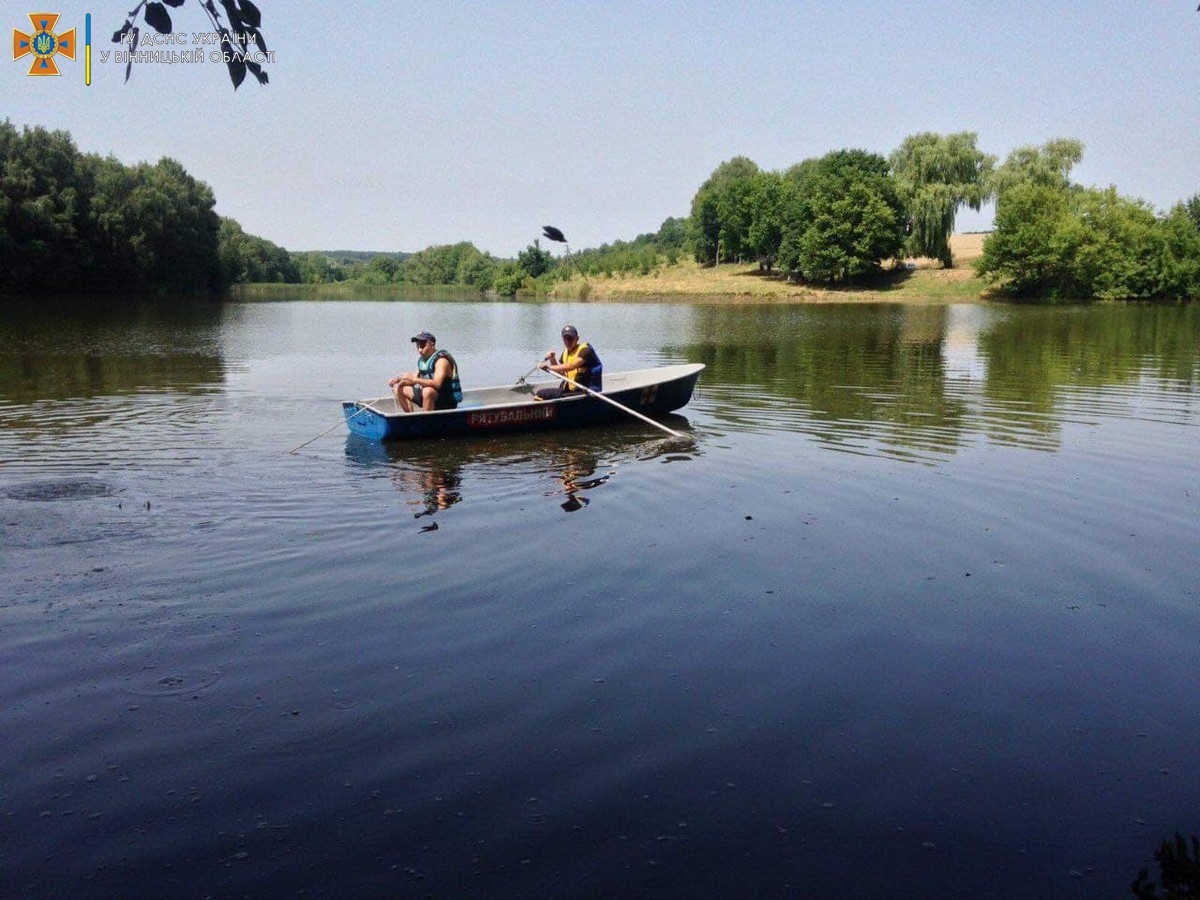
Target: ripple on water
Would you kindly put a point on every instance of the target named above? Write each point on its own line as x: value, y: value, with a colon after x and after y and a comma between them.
x: 152, y: 683
x: 50, y: 490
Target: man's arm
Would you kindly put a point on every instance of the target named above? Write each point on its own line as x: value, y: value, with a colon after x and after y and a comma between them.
x: 441, y: 374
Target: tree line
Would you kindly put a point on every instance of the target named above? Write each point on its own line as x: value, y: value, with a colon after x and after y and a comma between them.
x: 1055, y: 239
x: 80, y: 222
x: 849, y: 215
x: 71, y: 221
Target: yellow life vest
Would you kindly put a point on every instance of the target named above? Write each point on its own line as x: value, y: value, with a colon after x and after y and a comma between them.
x: 590, y: 375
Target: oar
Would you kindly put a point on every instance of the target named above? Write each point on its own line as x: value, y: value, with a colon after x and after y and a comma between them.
x: 622, y: 407
x: 521, y: 385
x: 366, y: 404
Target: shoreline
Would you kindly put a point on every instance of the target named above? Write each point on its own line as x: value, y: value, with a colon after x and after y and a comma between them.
x: 920, y: 282
x: 923, y: 281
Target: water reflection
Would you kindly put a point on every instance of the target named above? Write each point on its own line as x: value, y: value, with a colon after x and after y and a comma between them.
x: 578, y: 475
x: 52, y: 349
x: 722, y: 677
x: 566, y: 467
x: 437, y: 487
x: 920, y: 382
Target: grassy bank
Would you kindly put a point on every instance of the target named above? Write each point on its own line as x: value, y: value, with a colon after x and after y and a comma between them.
x: 928, y: 282
x: 921, y: 281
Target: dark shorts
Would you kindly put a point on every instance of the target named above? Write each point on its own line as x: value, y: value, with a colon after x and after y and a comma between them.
x: 555, y: 391
x: 445, y: 399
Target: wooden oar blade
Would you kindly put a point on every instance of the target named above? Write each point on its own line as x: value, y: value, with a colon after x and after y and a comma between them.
x: 552, y: 233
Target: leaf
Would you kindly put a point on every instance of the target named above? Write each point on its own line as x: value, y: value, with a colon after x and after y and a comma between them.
x: 256, y: 71
x: 129, y: 64
x: 174, y: 4
x: 258, y: 39
x: 158, y: 18
x: 119, y: 36
x: 237, y: 69
x: 250, y: 14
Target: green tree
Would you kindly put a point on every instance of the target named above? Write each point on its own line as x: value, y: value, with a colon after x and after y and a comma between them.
x: 534, y: 261
x: 1036, y: 234
x: 174, y: 230
x: 719, y: 222
x: 380, y: 269
x: 672, y: 235
x: 1070, y: 243
x: 509, y: 278
x: 317, y: 268
x: 247, y: 259
x: 768, y: 191
x: 841, y: 217
x: 462, y: 263
x: 1191, y: 209
x: 936, y: 175
x: 1179, y: 261
x: 1049, y: 166
x: 433, y: 265
x: 1117, y: 256
x: 45, y: 191
x: 475, y: 268
x: 1028, y: 251
x: 75, y: 222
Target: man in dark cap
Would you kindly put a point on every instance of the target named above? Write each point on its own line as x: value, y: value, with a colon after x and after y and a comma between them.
x: 434, y: 385
x: 579, y: 364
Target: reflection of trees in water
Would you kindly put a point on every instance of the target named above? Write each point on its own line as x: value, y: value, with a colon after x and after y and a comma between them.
x: 57, y: 350
x: 1032, y: 353
x: 879, y: 372
x: 852, y: 368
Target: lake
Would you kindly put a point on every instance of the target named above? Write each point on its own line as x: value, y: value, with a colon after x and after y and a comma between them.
x: 916, y: 614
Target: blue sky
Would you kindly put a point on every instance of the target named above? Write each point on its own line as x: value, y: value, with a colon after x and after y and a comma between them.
x: 395, y: 126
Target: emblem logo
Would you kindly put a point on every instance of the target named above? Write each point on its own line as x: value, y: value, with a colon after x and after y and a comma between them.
x: 45, y: 43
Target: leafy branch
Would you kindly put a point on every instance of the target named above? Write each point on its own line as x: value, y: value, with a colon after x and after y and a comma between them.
x: 236, y: 35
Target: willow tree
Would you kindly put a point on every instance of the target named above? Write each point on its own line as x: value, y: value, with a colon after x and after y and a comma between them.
x: 935, y: 176
x: 1048, y: 166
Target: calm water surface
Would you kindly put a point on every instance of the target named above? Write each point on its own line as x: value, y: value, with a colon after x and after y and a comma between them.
x: 916, y: 615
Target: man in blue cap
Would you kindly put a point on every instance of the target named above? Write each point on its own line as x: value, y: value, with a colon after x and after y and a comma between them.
x: 434, y: 385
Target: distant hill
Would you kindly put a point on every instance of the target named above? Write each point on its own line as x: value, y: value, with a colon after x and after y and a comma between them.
x: 346, y: 256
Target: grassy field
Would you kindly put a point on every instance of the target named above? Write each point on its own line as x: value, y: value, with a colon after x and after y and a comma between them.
x: 687, y: 280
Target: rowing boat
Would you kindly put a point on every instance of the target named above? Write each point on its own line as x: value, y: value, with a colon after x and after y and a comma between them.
x: 488, y: 410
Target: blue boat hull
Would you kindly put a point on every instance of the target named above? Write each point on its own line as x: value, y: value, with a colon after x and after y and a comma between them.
x: 505, y: 408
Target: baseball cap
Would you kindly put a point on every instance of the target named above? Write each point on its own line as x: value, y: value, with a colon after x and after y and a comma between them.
x: 424, y: 336
x: 570, y: 331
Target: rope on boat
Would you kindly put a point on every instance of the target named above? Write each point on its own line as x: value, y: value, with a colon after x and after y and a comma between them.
x: 363, y: 405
